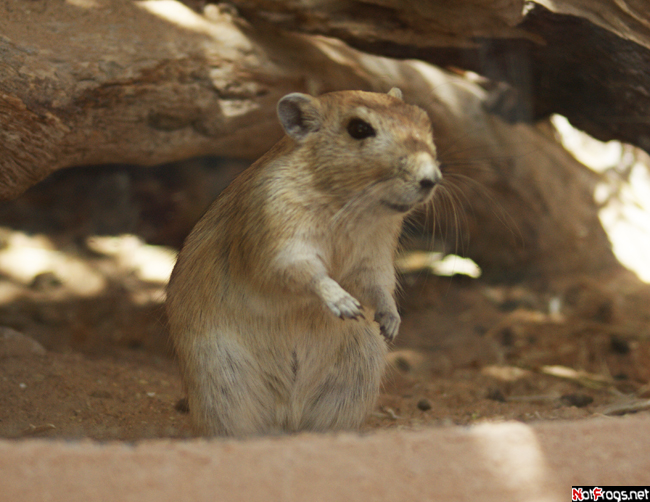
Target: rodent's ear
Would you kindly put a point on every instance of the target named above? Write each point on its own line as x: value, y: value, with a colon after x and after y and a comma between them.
x: 396, y: 93
x: 298, y: 115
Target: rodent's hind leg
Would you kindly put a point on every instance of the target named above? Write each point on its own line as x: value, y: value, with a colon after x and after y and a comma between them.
x: 348, y: 389
x: 225, y: 389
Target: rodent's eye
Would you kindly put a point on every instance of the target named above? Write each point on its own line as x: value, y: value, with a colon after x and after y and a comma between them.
x: 360, y: 129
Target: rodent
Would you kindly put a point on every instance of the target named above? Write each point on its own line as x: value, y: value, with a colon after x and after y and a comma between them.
x: 281, y: 303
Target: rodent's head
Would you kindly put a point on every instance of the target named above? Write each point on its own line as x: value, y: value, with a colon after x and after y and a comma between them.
x: 364, y: 146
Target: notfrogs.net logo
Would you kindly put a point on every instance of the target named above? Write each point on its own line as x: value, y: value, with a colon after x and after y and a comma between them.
x: 606, y: 493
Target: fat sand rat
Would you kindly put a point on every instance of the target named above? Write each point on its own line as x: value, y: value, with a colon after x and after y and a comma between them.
x: 281, y: 304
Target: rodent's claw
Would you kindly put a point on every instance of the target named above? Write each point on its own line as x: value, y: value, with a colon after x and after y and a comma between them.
x: 388, y: 324
x: 355, y: 317
x: 346, y: 307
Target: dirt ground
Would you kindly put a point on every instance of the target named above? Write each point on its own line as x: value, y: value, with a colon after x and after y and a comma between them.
x: 84, y: 352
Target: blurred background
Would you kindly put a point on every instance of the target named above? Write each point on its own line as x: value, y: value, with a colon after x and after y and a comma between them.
x: 524, y: 285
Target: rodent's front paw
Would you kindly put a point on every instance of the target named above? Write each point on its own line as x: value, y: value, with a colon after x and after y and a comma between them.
x: 388, y: 324
x: 339, y: 301
x: 346, y: 307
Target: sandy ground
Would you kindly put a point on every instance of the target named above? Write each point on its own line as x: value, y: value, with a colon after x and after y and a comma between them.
x: 467, y: 353
x: 84, y: 352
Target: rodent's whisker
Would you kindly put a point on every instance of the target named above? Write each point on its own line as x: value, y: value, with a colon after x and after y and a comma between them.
x: 495, y: 206
x: 453, y: 201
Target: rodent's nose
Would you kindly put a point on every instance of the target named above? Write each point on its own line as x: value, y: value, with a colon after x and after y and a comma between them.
x: 427, y: 171
x: 427, y: 183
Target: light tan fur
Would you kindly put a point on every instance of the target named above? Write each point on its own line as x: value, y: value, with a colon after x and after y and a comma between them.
x: 283, y: 290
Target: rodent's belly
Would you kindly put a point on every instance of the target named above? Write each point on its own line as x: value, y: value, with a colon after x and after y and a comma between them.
x: 286, y: 316
x: 277, y: 304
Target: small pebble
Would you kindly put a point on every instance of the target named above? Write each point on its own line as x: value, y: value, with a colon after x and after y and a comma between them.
x: 182, y: 405
x: 33, y: 430
x: 495, y: 394
x: 390, y: 412
x: 45, y: 281
x: 402, y: 364
x: 15, y: 344
x: 578, y: 400
x: 424, y: 404
x: 619, y: 345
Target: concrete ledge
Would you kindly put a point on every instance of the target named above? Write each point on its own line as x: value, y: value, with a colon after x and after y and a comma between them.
x: 493, y: 462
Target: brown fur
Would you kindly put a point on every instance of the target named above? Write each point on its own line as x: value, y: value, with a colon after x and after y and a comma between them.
x: 283, y: 289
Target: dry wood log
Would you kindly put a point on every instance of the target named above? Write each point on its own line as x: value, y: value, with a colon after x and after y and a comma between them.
x: 408, y: 23
x: 588, y: 60
x: 142, y: 83
x: 151, y: 82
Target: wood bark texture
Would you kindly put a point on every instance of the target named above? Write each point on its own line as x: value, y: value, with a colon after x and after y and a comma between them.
x: 588, y: 60
x: 88, y: 82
